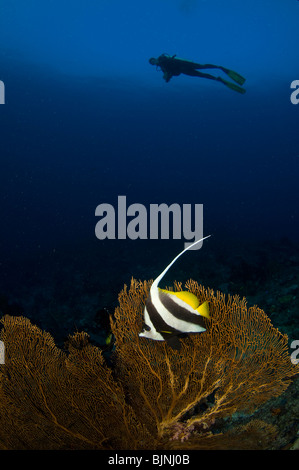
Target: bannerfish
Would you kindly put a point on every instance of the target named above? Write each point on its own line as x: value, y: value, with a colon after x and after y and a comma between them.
x: 169, y: 315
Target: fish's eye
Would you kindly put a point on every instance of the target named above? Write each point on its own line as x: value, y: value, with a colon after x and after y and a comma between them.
x: 146, y: 327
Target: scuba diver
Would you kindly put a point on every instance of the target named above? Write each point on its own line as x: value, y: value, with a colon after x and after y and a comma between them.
x: 173, y: 66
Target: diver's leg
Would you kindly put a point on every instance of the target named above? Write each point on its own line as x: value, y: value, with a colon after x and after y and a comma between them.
x: 206, y: 66
x: 233, y: 75
x: 196, y: 73
x: 232, y: 86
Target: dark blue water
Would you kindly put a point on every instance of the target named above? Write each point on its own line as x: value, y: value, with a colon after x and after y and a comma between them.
x: 87, y: 119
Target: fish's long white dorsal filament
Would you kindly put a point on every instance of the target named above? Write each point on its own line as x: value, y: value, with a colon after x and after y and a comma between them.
x: 158, y: 279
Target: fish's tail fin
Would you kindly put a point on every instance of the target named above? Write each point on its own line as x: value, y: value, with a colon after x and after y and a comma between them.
x: 232, y: 86
x: 236, y: 77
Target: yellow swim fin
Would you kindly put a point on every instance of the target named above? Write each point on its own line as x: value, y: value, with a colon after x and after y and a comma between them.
x: 232, y: 86
x: 236, y: 77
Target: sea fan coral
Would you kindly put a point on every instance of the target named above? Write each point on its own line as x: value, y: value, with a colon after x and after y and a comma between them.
x: 153, y: 397
x: 237, y: 364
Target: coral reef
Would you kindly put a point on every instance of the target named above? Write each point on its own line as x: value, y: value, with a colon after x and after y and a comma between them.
x: 236, y: 365
x: 53, y: 400
x: 153, y: 397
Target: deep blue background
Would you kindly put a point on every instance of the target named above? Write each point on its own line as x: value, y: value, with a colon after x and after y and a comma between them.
x: 87, y: 119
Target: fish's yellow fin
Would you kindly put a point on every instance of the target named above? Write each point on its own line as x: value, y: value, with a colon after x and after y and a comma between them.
x: 109, y: 339
x: 204, y: 310
x: 186, y: 296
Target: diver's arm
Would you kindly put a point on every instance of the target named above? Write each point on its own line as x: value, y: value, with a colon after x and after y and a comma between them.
x: 167, y: 76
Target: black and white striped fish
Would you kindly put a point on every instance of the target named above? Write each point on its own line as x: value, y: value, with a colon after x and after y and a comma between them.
x: 167, y: 314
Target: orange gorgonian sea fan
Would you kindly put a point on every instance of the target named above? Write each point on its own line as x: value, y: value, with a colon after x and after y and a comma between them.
x: 153, y: 397
x: 237, y: 364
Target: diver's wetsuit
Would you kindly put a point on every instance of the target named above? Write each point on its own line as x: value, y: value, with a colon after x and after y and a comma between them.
x: 172, y: 66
